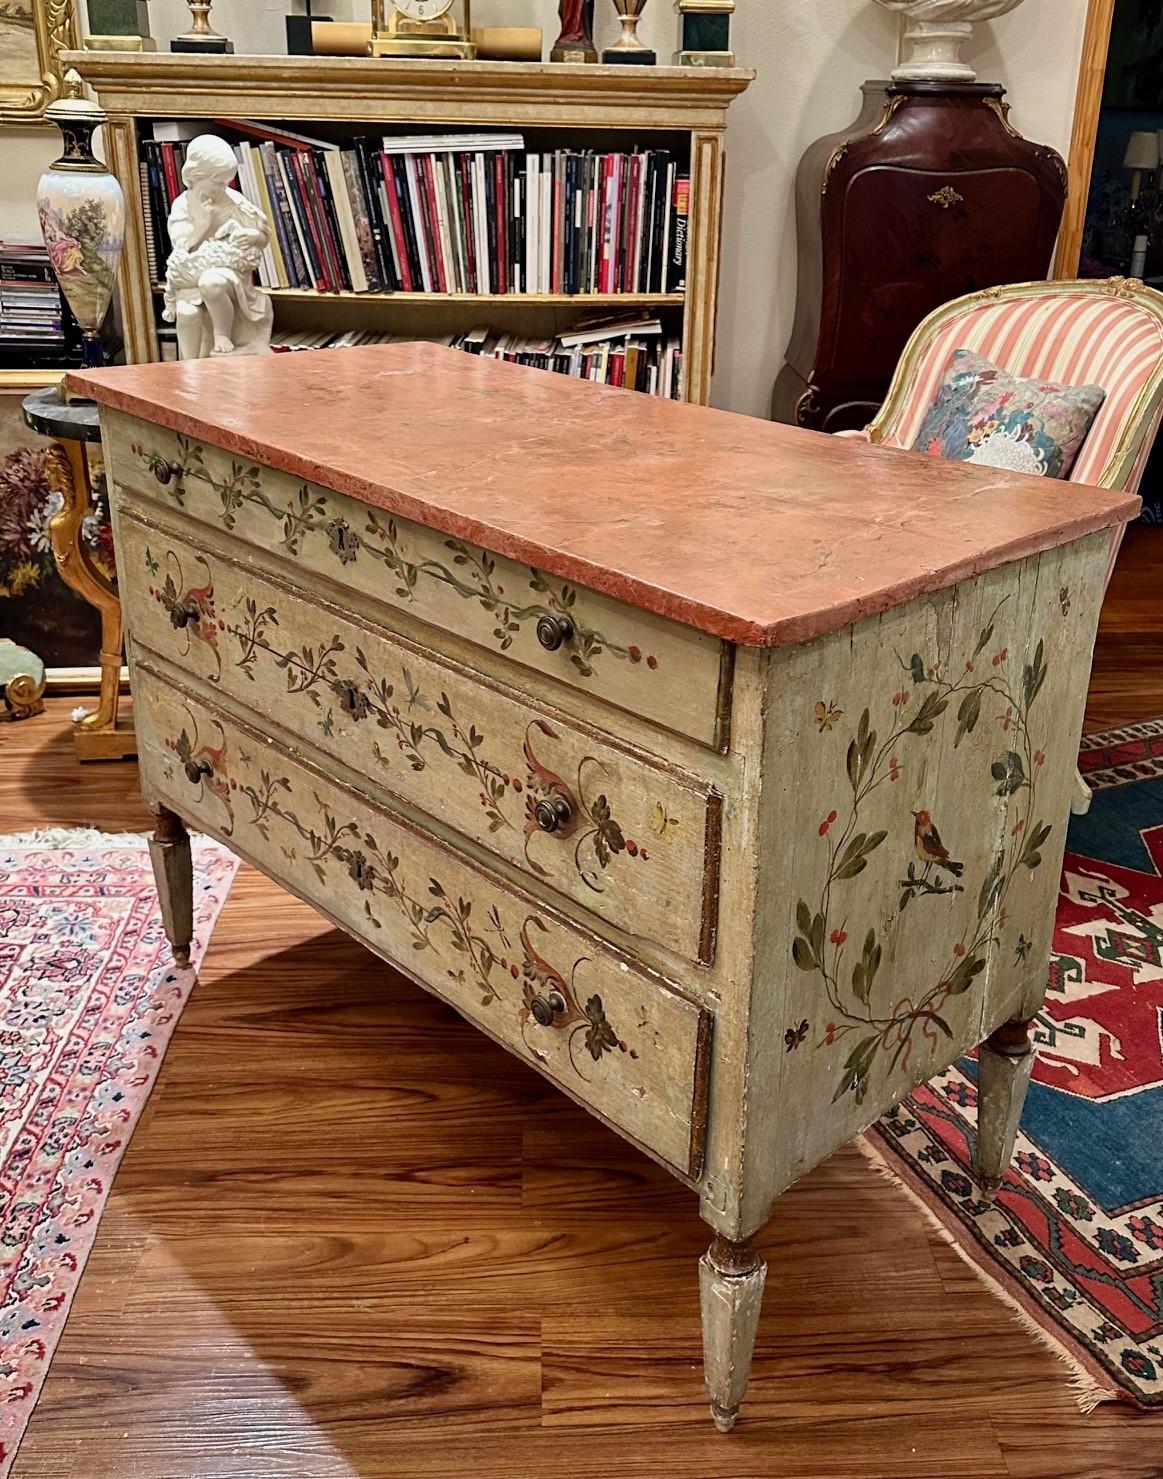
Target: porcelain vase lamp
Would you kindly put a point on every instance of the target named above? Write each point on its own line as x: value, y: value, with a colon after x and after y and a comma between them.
x: 82, y: 216
x: 935, y: 31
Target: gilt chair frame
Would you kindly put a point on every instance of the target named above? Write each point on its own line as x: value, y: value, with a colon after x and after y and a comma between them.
x: 1124, y: 466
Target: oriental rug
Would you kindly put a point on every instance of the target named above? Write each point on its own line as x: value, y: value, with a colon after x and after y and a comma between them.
x: 88, y: 999
x: 1074, y: 1242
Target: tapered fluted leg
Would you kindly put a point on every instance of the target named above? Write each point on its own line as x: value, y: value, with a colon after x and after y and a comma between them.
x: 1004, y: 1063
x: 731, y: 1279
x: 173, y: 871
x: 1083, y: 796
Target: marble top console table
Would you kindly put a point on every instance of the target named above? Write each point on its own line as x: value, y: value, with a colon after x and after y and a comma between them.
x: 717, y: 769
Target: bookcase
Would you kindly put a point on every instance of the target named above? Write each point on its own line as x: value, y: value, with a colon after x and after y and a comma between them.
x: 554, y: 106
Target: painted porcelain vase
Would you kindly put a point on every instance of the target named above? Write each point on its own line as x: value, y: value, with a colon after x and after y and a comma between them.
x: 82, y: 216
x: 935, y: 31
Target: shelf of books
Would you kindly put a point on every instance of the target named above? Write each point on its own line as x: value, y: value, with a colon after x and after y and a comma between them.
x: 595, y: 240
x: 574, y: 227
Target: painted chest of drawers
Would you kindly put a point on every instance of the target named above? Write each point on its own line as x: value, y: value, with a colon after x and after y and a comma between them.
x: 718, y: 770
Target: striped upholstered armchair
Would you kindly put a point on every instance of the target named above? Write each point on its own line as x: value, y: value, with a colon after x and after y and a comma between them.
x: 1089, y: 332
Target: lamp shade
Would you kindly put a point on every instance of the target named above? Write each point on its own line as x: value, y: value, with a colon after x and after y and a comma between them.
x: 1142, y: 151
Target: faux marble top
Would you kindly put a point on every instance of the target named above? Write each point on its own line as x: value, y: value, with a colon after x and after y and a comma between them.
x: 758, y: 533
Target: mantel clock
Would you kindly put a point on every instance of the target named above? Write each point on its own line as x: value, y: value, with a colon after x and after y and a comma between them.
x: 421, y: 28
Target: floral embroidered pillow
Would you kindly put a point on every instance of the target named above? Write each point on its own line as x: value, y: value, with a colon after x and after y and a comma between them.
x: 982, y: 414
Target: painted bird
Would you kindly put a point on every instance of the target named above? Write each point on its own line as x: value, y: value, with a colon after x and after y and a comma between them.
x: 930, y: 848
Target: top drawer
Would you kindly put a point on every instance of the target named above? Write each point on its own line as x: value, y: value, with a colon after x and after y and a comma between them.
x: 666, y: 673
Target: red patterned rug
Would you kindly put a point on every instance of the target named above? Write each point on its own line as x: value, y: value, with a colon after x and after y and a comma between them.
x: 1075, y: 1240
x: 88, y: 1000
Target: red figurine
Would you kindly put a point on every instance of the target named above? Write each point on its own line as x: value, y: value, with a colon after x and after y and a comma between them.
x: 575, y: 44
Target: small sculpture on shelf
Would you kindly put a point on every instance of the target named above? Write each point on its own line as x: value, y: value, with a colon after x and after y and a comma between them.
x: 575, y: 43
x: 628, y: 49
x: 218, y: 239
x: 201, y: 37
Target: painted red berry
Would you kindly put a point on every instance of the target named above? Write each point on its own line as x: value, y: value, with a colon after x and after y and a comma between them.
x: 517, y: 786
x: 514, y: 972
x: 632, y: 847
x: 651, y: 661
x: 635, y: 654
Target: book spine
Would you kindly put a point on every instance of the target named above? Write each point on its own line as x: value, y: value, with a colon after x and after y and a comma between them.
x: 360, y: 211
x: 413, y: 168
x: 284, y: 219
x: 499, y: 222
x: 170, y: 172
x: 558, y: 223
x: 532, y: 223
x: 667, y: 218
x: 279, y: 275
x: 345, y: 220
x: 676, y: 278
x: 463, y: 179
x: 329, y: 222
x: 395, y: 224
x: 480, y: 208
x: 411, y: 228
x: 296, y: 193
x: 371, y: 184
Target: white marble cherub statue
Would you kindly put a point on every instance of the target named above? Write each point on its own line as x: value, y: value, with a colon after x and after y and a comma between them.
x: 218, y: 238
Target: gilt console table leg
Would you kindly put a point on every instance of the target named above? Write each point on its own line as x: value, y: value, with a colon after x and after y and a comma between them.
x: 731, y: 1279
x: 97, y: 736
x: 1005, y: 1061
x: 173, y: 871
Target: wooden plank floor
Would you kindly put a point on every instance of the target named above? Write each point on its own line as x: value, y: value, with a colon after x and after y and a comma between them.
x: 353, y: 1239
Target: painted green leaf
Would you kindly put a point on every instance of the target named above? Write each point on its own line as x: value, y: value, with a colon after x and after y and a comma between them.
x: 801, y: 953
x: 927, y: 715
x: 803, y: 917
x: 917, y: 668
x: 1009, y: 772
x: 968, y: 714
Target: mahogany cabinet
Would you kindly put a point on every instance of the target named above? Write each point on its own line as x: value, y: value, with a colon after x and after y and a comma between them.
x: 931, y: 193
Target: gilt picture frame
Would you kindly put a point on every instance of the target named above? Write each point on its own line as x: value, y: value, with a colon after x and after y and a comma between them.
x: 33, y: 33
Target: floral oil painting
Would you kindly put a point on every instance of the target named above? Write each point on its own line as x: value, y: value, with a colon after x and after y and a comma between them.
x: 37, y: 609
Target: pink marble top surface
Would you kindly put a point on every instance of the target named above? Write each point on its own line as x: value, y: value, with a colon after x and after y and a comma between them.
x: 761, y: 534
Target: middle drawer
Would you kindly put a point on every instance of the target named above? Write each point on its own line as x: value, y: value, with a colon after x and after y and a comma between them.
x: 634, y: 840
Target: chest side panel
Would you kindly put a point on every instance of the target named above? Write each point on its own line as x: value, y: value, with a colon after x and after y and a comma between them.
x: 918, y: 775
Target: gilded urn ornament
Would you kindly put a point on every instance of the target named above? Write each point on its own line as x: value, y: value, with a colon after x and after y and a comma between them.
x: 82, y: 216
x: 935, y: 32
x: 628, y: 48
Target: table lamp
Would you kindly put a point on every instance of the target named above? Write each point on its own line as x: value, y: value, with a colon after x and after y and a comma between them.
x: 1142, y: 154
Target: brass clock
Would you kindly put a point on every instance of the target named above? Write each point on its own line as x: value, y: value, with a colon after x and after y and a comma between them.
x: 421, y: 28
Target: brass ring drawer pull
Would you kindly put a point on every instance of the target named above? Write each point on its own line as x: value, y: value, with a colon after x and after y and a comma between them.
x: 551, y: 816
x: 197, y: 770
x: 165, y: 472
x: 554, y: 631
x: 545, y: 1008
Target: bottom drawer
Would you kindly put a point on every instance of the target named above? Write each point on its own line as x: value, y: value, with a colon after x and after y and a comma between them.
x: 614, y: 1036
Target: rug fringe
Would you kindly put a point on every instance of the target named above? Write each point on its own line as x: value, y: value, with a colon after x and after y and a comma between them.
x: 1086, y: 1390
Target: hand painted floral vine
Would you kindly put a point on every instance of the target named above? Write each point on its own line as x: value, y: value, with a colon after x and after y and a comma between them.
x: 436, y: 919
x: 875, y: 757
x: 469, y: 572
x: 318, y: 672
